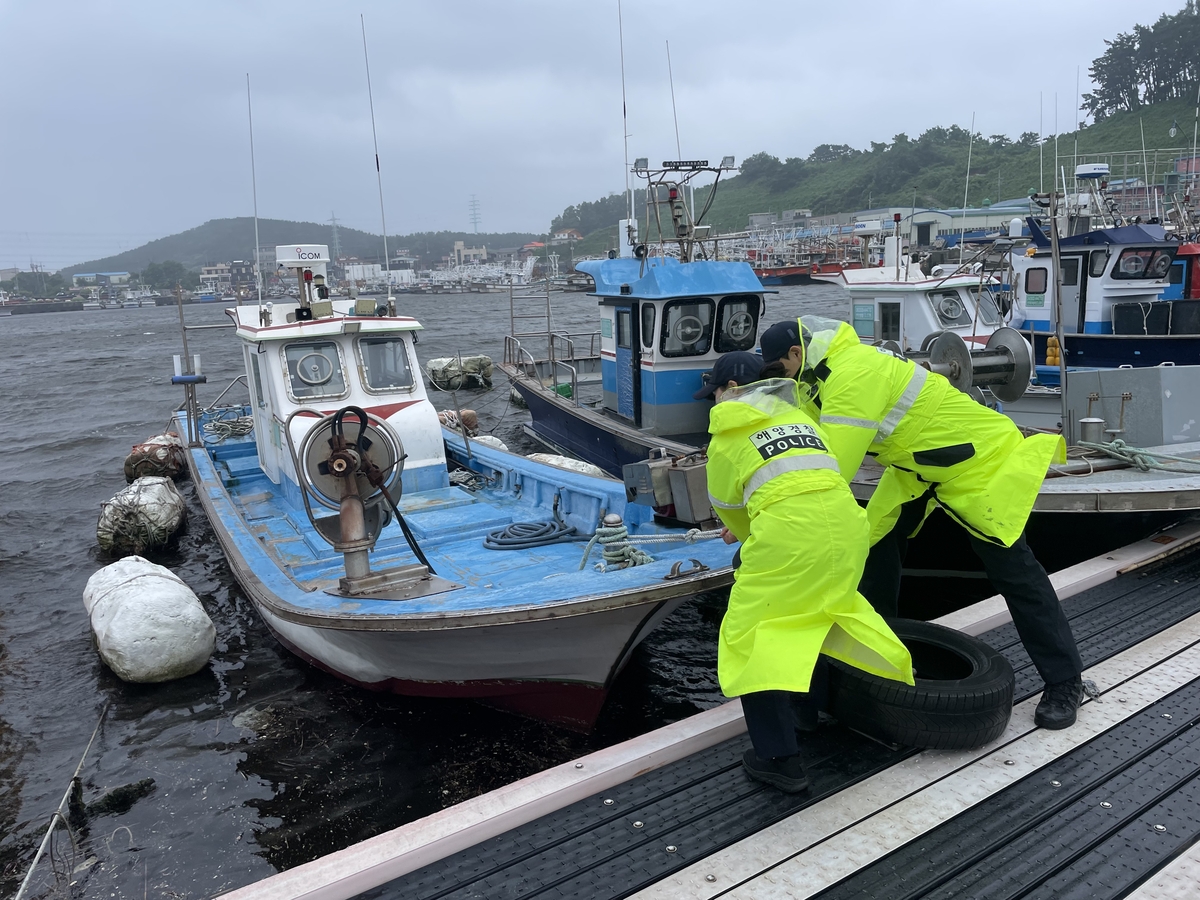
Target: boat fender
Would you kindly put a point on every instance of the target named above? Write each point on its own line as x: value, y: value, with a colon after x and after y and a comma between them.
x: 565, y: 462
x: 162, y: 454
x: 144, y: 516
x: 148, y: 625
x: 490, y: 440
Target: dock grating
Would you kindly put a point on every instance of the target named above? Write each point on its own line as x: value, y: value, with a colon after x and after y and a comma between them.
x: 704, y: 803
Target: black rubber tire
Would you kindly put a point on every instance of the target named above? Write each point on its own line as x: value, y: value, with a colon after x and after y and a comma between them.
x: 962, y: 698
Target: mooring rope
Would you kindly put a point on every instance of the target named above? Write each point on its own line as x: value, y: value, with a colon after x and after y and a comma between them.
x: 226, y: 428
x: 1143, y: 459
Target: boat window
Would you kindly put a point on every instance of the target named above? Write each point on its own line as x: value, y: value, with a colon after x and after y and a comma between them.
x: 1070, y: 271
x: 1036, y: 279
x: 737, y: 323
x: 1143, y: 262
x: 1176, y: 274
x: 1099, y: 263
x: 647, y: 324
x: 384, y: 363
x: 950, y: 308
x: 625, y: 329
x: 687, y: 327
x: 985, y: 303
x: 314, y: 369
x: 259, y: 399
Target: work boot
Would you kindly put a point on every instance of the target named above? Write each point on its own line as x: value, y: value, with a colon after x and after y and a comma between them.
x: 1059, y: 702
x: 783, y: 772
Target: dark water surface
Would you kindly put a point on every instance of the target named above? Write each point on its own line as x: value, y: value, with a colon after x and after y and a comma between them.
x: 259, y: 762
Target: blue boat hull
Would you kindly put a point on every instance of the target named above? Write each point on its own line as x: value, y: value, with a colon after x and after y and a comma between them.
x: 1110, y: 351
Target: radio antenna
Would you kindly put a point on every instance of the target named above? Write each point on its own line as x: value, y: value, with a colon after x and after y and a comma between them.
x: 674, y: 114
x: 387, y: 260
x: 624, y: 112
x: 254, y: 191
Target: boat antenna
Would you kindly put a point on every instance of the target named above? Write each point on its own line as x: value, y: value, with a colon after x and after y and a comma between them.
x: 671, y: 78
x: 1146, y: 168
x: 1041, y: 150
x: 1195, y: 128
x: 624, y: 113
x: 1077, y: 126
x: 387, y: 260
x: 254, y: 191
x: 962, y: 239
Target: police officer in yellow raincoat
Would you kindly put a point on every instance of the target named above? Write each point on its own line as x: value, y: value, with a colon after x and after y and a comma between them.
x: 776, y: 487
x: 939, y: 448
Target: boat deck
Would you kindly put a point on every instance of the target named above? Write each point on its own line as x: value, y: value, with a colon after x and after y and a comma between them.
x: 1108, y: 808
x: 450, y: 524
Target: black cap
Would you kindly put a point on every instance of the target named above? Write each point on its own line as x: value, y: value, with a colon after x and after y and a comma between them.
x: 740, y: 367
x: 779, y: 339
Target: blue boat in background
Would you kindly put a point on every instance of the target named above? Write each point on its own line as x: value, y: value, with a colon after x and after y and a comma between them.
x: 402, y: 556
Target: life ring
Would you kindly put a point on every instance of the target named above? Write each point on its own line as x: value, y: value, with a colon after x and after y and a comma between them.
x: 962, y: 698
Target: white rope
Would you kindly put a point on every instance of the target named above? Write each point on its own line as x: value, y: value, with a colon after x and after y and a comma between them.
x: 225, y: 428
x: 1143, y: 459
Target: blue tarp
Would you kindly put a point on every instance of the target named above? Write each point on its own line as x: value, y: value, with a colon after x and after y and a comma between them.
x: 1126, y: 234
x: 667, y: 277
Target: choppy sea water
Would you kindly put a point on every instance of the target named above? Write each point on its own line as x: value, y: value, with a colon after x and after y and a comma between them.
x: 259, y: 762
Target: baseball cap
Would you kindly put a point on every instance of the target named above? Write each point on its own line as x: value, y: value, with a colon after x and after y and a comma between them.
x: 779, y: 339
x: 739, y: 366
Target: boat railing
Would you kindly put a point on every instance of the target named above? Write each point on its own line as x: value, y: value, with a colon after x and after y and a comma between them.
x: 555, y: 364
x: 241, y: 379
x: 517, y: 356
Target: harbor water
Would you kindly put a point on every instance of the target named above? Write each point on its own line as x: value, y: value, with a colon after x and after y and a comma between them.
x: 260, y: 762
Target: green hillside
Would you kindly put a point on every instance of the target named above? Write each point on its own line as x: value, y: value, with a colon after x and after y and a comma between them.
x: 223, y: 240
x: 928, y: 170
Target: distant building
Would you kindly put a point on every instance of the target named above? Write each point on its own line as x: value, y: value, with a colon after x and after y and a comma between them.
x: 9, y: 274
x: 462, y: 254
x: 797, y: 217
x: 82, y: 279
x: 533, y: 248
x: 565, y: 236
x: 761, y: 220
x: 216, y: 277
x: 360, y: 271
x: 241, y: 274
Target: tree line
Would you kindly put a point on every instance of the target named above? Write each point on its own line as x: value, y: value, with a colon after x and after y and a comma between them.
x: 1151, y: 64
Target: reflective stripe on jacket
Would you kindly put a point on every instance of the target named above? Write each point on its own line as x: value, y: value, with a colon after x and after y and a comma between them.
x: 928, y: 434
x: 778, y: 489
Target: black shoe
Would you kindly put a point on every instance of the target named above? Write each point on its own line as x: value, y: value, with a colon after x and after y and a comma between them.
x: 783, y: 772
x: 1059, y: 701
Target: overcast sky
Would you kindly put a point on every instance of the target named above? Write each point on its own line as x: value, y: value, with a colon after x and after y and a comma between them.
x: 126, y: 121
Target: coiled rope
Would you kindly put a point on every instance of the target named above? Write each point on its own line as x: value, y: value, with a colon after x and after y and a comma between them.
x: 527, y: 535
x: 1143, y: 459
x: 226, y: 428
x: 619, y: 548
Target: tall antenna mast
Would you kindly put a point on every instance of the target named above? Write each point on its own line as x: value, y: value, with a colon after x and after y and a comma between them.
x: 1077, y: 126
x: 387, y: 260
x: 671, y: 77
x: 1041, y: 149
x: 333, y: 228
x: 474, y: 209
x: 254, y: 191
x: 624, y: 113
x: 966, y: 190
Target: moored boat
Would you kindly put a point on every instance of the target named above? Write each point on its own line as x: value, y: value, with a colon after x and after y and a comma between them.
x: 396, y: 589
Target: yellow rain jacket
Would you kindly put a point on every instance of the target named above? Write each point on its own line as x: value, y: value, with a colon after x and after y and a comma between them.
x: 928, y: 434
x: 804, y: 544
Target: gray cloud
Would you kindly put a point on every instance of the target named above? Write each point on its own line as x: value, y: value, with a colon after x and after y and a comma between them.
x: 127, y: 121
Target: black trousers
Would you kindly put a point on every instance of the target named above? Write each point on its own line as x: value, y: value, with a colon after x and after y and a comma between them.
x: 1014, y: 572
x: 773, y: 717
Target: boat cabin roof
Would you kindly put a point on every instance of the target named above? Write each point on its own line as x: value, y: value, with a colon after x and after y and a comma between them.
x: 1125, y: 234
x: 665, y: 278
x: 341, y: 321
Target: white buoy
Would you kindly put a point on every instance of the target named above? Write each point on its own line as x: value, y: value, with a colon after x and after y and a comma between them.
x: 148, y: 625
x: 489, y: 440
x: 143, y: 516
x: 565, y: 462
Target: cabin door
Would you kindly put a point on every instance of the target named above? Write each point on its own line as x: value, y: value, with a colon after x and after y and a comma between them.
x: 627, y: 360
x: 1073, y: 305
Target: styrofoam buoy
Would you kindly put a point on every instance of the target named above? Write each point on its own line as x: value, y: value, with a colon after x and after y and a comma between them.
x: 489, y: 440
x: 143, y: 516
x: 452, y: 373
x: 565, y: 462
x: 148, y: 625
x: 162, y: 454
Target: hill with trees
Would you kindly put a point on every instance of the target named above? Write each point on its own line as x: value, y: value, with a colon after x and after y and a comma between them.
x: 224, y: 240
x: 1146, y: 84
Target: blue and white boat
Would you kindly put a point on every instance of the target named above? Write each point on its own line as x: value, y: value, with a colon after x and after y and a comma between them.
x: 362, y: 544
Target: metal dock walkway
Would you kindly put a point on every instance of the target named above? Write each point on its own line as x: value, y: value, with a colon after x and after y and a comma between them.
x: 1108, y: 808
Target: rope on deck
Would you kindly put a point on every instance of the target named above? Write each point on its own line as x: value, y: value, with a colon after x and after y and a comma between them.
x: 1143, y: 459
x: 220, y: 429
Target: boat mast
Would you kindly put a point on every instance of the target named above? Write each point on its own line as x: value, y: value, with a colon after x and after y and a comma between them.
x: 254, y: 191
x: 387, y: 261
x: 625, y: 124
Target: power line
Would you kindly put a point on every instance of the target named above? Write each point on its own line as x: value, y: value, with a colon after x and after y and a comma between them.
x: 474, y: 207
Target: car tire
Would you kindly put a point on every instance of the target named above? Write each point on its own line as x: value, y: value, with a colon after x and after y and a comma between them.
x: 962, y: 698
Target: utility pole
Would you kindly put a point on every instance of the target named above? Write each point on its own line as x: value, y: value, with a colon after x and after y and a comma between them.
x: 474, y: 209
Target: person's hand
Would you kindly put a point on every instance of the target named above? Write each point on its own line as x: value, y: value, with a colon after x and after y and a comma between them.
x: 728, y: 536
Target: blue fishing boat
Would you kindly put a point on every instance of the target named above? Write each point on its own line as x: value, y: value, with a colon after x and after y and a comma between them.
x: 404, y: 556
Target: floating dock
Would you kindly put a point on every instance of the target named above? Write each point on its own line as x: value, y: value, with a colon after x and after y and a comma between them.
x: 1109, y: 808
